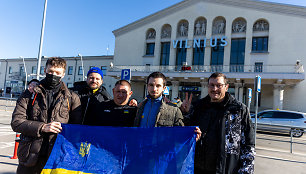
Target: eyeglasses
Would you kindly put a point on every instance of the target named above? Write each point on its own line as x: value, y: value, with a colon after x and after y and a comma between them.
x: 217, y: 85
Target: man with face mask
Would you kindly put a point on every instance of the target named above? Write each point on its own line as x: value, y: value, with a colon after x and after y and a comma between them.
x: 38, y: 117
x: 91, y: 92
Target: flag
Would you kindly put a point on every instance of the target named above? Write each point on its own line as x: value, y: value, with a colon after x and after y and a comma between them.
x: 96, y: 149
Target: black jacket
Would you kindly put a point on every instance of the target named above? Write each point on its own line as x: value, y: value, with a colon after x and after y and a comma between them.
x: 110, y: 114
x: 88, y: 99
x: 227, y: 136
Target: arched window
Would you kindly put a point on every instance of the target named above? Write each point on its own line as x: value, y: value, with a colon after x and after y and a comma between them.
x: 182, y: 28
x: 165, y: 45
x: 150, y: 42
x: 219, y: 25
x: 260, y: 40
x: 239, y: 25
x: 200, y: 26
x: 238, y: 45
x: 166, y: 31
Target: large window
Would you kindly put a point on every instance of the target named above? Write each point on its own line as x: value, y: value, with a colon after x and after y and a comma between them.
x: 198, y: 54
x: 70, y: 70
x: 237, y: 55
x: 260, y: 44
x: 217, y: 55
x: 10, y: 70
x: 42, y: 69
x: 104, y: 69
x: 34, y: 70
x: 181, y: 55
x: 150, y: 49
x: 165, y: 53
x: 21, y: 71
x: 80, y: 72
x: 258, y: 67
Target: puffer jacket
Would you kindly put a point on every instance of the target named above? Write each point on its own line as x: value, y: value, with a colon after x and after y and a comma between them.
x: 168, y: 115
x: 234, y: 138
x: 88, y: 99
x: 31, y: 113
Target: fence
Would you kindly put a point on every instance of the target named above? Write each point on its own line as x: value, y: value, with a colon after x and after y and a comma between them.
x: 7, y: 104
x: 290, y: 129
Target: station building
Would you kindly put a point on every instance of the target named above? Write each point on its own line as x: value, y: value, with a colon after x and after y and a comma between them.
x: 14, y: 72
x: 241, y: 38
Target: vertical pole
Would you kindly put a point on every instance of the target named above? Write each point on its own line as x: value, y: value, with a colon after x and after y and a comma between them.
x: 256, y: 111
x: 41, y: 41
x: 291, y: 141
x: 26, y: 74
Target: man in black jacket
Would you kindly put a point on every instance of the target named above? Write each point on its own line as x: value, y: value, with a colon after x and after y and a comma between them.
x: 91, y: 92
x: 227, y: 144
x: 116, y: 112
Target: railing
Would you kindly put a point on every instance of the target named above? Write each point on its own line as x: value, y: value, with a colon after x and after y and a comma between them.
x: 213, y: 68
x: 7, y: 103
x: 284, y: 128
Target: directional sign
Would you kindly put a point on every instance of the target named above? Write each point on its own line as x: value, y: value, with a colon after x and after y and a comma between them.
x: 257, y: 83
x: 126, y: 74
x: 166, y: 91
x: 250, y: 94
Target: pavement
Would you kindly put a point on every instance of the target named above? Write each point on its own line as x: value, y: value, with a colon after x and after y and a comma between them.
x: 267, y: 161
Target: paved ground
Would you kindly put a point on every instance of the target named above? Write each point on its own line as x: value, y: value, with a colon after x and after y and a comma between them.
x: 268, y: 160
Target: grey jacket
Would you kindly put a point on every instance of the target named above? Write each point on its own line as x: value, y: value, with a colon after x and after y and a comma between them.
x: 168, y: 115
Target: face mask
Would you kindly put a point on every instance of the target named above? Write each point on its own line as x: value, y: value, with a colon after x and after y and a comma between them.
x: 52, y: 80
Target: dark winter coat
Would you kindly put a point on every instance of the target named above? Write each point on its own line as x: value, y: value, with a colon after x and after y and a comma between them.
x: 227, y: 136
x: 31, y: 113
x: 89, y: 99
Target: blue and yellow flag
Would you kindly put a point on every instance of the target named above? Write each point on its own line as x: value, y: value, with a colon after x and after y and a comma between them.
x: 93, y: 149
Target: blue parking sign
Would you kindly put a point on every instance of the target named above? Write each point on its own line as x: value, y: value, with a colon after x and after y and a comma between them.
x: 258, y: 83
x: 166, y: 91
x: 126, y: 74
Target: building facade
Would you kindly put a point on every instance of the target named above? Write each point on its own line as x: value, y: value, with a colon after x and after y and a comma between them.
x: 13, y: 76
x: 241, y: 38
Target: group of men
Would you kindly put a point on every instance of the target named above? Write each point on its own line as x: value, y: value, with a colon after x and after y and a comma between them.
x: 225, y: 140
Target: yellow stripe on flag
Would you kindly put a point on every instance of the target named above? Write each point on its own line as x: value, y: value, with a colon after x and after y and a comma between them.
x: 61, y: 171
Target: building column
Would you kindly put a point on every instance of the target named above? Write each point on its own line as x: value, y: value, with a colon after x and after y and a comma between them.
x: 278, y: 96
x: 238, y: 91
x: 204, y: 89
x: 175, y: 89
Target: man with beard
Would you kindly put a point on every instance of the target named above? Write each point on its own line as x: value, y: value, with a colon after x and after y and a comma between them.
x: 115, y: 112
x: 91, y: 92
x: 38, y: 117
x: 227, y: 144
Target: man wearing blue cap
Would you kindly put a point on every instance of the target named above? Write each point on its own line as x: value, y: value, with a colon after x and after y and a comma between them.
x: 91, y: 92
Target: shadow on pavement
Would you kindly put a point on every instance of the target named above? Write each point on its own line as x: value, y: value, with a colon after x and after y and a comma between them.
x: 5, y: 156
x: 9, y: 163
x: 285, y: 160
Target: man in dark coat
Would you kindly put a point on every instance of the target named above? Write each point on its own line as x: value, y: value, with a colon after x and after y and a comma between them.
x: 91, y: 92
x: 227, y: 144
x: 116, y: 112
x: 38, y: 117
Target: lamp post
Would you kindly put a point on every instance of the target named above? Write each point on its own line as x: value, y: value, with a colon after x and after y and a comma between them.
x: 26, y: 74
x: 41, y: 41
x: 80, y: 55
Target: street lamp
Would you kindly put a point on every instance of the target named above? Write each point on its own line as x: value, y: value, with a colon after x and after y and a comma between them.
x: 80, y: 55
x: 26, y: 74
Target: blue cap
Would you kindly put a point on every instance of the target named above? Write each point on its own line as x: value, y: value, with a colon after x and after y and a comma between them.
x: 95, y: 70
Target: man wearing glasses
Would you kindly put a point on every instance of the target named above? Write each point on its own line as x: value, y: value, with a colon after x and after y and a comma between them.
x: 227, y: 144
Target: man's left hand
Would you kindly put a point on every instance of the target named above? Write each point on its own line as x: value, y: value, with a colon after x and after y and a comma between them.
x: 133, y: 102
x: 199, y: 133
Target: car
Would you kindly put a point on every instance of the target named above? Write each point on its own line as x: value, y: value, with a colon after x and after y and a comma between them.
x: 281, y: 121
